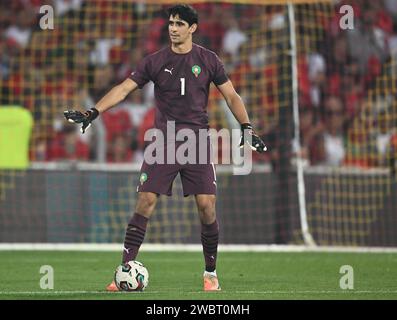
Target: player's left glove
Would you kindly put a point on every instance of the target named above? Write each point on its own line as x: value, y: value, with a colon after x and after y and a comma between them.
x: 254, y: 141
x: 79, y: 117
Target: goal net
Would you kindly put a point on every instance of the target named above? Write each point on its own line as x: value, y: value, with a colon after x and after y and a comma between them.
x: 319, y: 83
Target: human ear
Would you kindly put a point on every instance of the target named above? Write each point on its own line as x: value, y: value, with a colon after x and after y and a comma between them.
x: 193, y: 27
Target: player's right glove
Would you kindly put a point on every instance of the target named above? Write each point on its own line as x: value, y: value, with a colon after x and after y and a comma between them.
x: 254, y: 141
x: 79, y: 117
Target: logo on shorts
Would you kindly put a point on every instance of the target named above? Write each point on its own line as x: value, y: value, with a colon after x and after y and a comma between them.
x: 143, y: 177
x: 196, y: 70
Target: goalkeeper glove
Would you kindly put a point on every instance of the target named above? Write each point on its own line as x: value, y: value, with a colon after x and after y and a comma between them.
x: 255, y: 142
x: 78, y: 117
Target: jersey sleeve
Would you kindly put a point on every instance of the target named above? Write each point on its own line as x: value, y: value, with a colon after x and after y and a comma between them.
x: 220, y: 76
x: 141, y: 75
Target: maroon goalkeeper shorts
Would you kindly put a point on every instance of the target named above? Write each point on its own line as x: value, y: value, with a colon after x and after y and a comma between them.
x: 197, y: 178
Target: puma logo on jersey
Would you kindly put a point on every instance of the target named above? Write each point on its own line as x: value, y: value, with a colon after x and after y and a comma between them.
x: 167, y: 70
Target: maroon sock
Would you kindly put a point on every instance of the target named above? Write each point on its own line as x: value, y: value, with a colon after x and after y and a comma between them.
x: 134, y: 236
x: 209, y: 240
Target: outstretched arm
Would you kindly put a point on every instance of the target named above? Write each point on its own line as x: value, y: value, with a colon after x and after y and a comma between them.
x: 234, y: 101
x: 113, y: 97
x: 116, y: 95
x: 237, y: 107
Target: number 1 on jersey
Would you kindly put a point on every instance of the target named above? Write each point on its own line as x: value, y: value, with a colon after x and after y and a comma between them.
x: 182, y: 86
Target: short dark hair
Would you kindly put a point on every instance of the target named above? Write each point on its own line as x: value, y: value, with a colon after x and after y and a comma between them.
x: 185, y: 12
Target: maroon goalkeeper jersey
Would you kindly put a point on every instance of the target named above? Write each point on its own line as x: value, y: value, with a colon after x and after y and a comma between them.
x: 181, y: 85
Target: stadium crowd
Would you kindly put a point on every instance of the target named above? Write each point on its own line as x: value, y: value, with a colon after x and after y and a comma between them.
x: 347, y: 112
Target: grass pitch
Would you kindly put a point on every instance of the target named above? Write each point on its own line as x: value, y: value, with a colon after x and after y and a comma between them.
x: 178, y: 275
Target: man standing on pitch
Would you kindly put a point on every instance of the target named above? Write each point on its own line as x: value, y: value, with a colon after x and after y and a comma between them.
x: 182, y: 74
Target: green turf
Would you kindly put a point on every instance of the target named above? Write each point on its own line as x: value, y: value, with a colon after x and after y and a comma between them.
x: 178, y: 275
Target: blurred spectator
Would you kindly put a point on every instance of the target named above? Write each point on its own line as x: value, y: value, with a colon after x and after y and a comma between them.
x: 338, y: 55
x: 233, y: 38
x: 312, y: 78
x: 385, y: 137
x: 259, y: 57
x: 19, y: 33
x: 119, y: 148
x: 277, y: 20
x: 211, y: 30
x: 146, y: 124
x: 103, y: 77
x: 155, y: 35
x: 5, y: 58
x: 349, y: 86
x: 310, y: 128
x: 64, y: 6
x: 367, y: 39
x: 240, y: 76
x: 119, y: 134
x: 391, y: 7
x: 393, y: 154
x: 117, y: 121
x: 317, y: 77
x: 67, y: 145
x: 361, y: 149
x: 41, y: 150
x: 332, y: 142
x: 101, y: 54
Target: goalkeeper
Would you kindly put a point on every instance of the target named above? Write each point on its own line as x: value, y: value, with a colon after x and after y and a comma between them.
x: 182, y: 73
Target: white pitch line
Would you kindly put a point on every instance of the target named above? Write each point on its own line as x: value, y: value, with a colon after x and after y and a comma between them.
x: 69, y: 292
x: 310, y: 292
x: 202, y: 292
x: 116, y: 247
x: 318, y: 292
